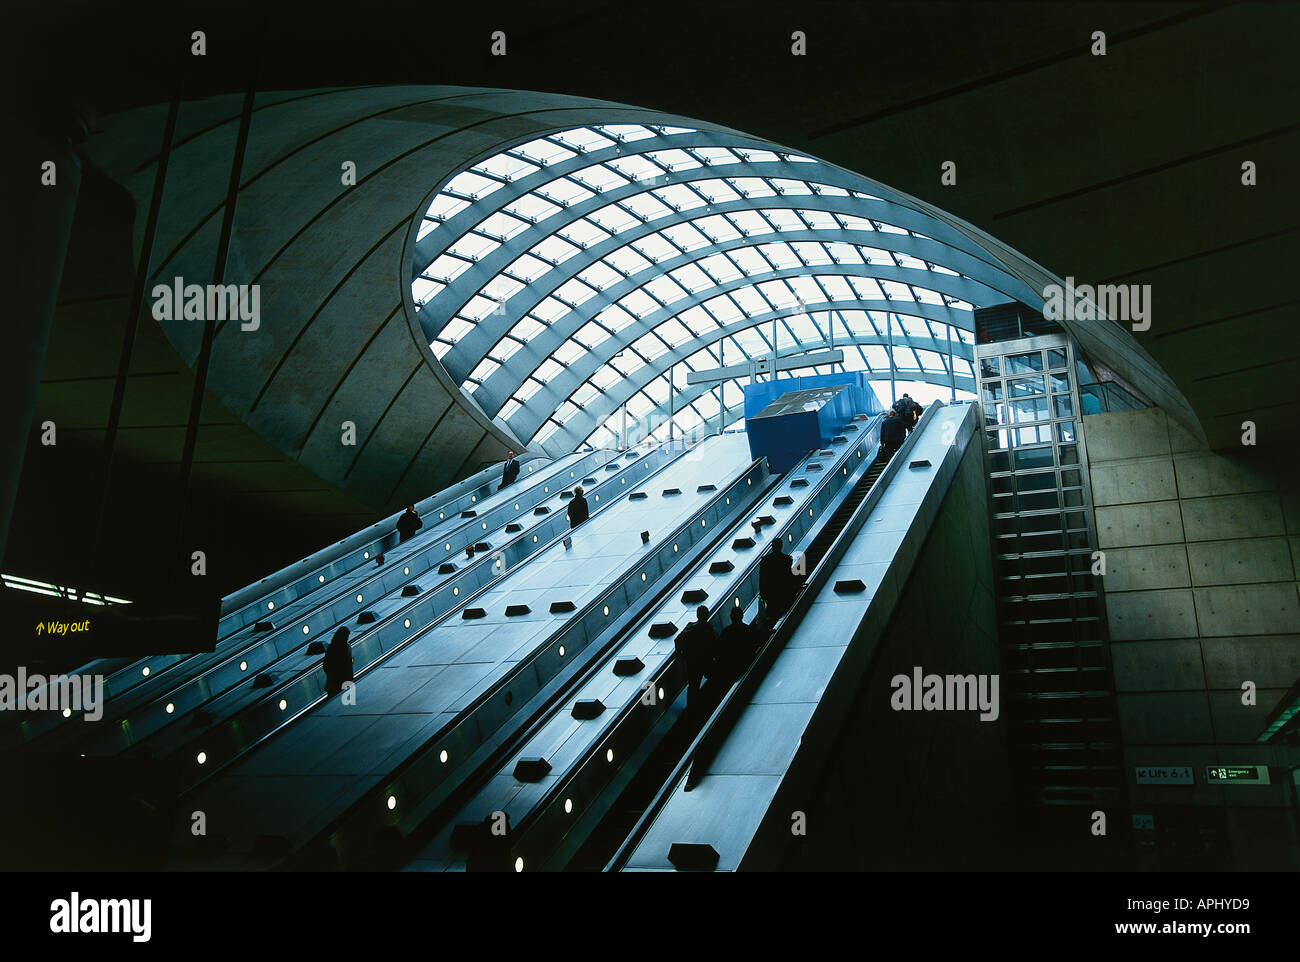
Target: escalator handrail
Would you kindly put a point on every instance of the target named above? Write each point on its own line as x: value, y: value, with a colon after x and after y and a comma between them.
x: 270, y: 694
x: 666, y: 666
x: 724, y: 716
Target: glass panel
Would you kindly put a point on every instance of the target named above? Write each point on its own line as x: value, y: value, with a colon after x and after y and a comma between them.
x: 1069, y: 454
x: 1029, y: 409
x: 1070, y: 479
x: 1034, y: 502
x: 1065, y: 431
x: 993, y: 391
x: 1034, y: 458
x: 1060, y: 383
x: 1056, y: 359
x: 1073, y: 498
x: 1000, y: 462
x: 1034, y: 435
x: 1036, y: 482
x: 1090, y: 399
x: 1025, y: 386
x: 1024, y: 363
x: 990, y: 367
x: 1064, y: 406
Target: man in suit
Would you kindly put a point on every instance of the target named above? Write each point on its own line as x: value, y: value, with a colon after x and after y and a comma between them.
x: 694, y: 645
x: 893, y: 432
x: 510, y: 472
x: 777, y: 583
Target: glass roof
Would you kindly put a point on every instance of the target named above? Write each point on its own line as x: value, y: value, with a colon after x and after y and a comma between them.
x: 584, y: 270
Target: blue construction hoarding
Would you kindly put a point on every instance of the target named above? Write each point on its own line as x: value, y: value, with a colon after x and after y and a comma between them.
x: 787, y: 418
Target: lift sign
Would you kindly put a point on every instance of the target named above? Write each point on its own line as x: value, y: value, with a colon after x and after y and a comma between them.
x: 1237, y: 774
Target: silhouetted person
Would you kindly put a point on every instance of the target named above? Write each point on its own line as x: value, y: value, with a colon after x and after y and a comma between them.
x: 408, y: 524
x: 777, y: 584
x: 338, y: 662
x: 893, y: 432
x: 509, y: 472
x: 694, y: 645
x: 909, y: 411
x: 578, y: 512
x: 736, y: 646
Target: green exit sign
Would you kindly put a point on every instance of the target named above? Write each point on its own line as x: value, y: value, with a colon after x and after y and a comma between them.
x: 1237, y: 774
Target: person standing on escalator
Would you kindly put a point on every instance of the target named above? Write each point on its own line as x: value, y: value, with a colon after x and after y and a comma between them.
x: 408, y: 524
x: 578, y: 512
x: 509, y: 471
x: 893, y: 432
x: 777, y: 583
x: 337, y: 662
x: 695, y: 645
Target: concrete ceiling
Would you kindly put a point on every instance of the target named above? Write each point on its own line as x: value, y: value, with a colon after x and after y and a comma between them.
x: 1117, y: 169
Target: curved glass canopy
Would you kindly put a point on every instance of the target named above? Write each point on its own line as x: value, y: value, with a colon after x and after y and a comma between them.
x: 592, y: 268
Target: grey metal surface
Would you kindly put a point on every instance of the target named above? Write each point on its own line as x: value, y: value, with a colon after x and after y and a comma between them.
x: 470, y: 654
x: 576, y: 750
x: 832, y: 642
x: 225, y: 687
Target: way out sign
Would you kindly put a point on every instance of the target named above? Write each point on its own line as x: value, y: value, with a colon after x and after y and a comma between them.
x: 1164, y: 775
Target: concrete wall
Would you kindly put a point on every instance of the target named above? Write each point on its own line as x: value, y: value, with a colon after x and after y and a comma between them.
x: 1201, y: 554
x: 925, y: 790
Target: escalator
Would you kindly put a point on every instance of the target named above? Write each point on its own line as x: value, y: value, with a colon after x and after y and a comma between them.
x: 726, y: 804
x: 571, y: 777
x: 343, y: 773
